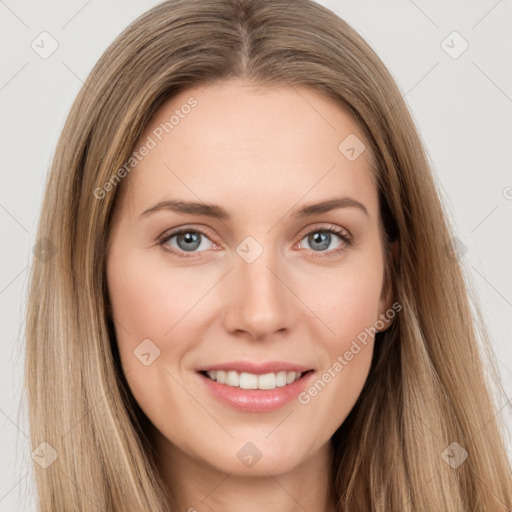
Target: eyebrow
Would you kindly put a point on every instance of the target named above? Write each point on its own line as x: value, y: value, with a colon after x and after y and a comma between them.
x: 218, y: 212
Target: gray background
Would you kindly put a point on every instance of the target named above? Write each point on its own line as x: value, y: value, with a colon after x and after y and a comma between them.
x: 461, y: 105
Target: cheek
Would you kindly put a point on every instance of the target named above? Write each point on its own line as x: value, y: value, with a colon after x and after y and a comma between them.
x: 150, y: 300
x: 156, y: 315
x: 169, y: 306
x: 345, y: 298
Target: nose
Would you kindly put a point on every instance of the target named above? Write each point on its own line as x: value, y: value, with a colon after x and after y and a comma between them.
x: 259, y: 300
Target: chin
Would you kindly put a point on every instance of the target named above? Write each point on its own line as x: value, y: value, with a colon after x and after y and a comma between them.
x: 256, y: 458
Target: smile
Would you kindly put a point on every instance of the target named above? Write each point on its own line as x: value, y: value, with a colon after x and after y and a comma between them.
x: 255, y: 387
x: 246, y: 380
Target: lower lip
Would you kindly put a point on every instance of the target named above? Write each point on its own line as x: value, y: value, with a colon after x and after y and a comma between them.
x: 256, y: 400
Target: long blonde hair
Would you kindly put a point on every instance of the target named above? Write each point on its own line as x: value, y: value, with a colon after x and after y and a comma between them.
x: 429, y: 385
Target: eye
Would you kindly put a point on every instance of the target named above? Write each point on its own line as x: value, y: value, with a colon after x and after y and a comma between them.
x: 320, y: 239
x: 187, y: 240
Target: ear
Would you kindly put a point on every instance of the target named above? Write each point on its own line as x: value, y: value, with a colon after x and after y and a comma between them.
x: 388, y: 288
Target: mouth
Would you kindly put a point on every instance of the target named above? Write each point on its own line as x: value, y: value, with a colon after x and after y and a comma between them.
x: 251, y: 387
x: 246, y: 380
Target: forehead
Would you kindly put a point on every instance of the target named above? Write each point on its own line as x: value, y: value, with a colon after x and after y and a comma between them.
x: 246, y: 146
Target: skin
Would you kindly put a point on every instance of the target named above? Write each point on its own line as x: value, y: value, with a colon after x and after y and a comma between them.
x: 260, y: 154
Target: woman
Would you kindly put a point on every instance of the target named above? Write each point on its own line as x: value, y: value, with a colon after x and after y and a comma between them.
x: 252, y: 298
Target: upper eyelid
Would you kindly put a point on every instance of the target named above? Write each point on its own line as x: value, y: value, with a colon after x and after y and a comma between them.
x: 176, y: 231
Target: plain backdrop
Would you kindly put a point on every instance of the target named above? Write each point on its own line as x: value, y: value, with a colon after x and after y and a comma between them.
x: 452, y: 61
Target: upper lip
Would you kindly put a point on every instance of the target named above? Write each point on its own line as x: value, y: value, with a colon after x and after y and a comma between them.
x: 256, y: 368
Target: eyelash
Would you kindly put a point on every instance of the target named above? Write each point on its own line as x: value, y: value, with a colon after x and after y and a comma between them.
x: 345, y: 237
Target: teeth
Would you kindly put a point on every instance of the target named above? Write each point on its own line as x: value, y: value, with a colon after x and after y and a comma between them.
x: 246, y: 380
x: 281, y: 379
x: 267, y: 381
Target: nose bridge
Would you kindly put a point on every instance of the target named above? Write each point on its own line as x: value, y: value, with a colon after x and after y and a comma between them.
x: 257, y: 275
x: 260, y: 301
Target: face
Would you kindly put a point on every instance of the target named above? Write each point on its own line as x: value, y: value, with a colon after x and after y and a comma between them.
x: 259, y: 291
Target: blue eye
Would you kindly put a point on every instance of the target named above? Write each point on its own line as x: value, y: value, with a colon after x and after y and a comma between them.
x: 321, y: 239
x: 190, y: 241
x: 187, y: 240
